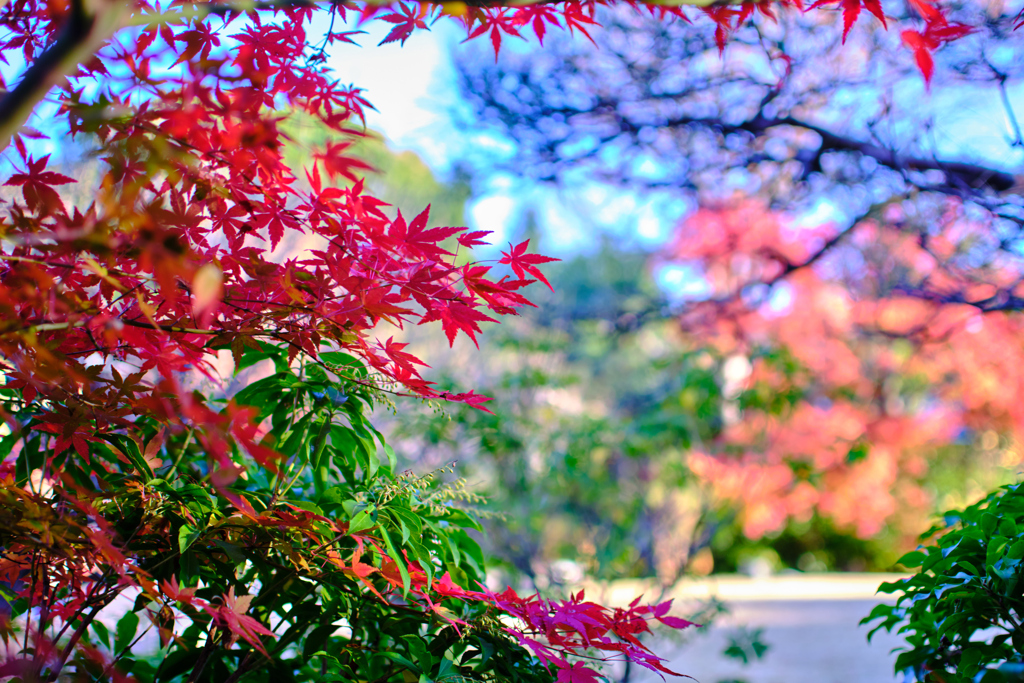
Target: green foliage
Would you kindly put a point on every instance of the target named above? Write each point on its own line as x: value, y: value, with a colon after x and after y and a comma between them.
x: 599, y: 402
x: 584, y: 458
x: 746, y: 646
x: 811, y: 545
x: 308, y: 565
x: 961, y: 612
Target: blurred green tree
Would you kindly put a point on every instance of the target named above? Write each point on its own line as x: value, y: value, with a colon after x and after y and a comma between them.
x: 606, y: 406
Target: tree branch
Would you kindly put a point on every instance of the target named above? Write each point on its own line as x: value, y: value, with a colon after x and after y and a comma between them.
x: 83, y: 34
x: 1003, y: 300
x: 958, y: 174
x: 605, y: 119
x: 204, y: 656
x: 86, y: 30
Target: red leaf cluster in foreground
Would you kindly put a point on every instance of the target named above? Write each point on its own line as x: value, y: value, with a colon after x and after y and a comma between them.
x: 553, y: 630
x: 183, y: 251
x: 574, y: 625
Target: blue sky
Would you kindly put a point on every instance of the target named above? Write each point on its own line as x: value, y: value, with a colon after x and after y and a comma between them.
x: 413, y: 88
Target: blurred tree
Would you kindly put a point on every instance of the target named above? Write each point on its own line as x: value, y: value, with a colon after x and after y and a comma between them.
x: 783, y: 115
x: 634, y: 448
x: 886, y: 386
x: 582, y: 463
x: 865, y: 370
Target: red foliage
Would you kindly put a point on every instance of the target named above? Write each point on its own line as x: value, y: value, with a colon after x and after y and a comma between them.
x: 852, y: 450
x: 574, y: 625
x: 523, y: 263
x: 936, y: 32
x: 160, y: 273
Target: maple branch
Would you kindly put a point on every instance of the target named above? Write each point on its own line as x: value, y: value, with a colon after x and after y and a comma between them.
x: 334, y: 370
x: 628, y: 322
x: 959, y: 175
x: 243, y: 668
x: 124, y: 650
x: 75, y: 637
x: 85, y: 31
x: 1001, y: 77
x: 51, y: 327
x: 170, y: 328
x: 204, y: 656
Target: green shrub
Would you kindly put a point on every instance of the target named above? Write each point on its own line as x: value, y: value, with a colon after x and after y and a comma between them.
x: 962, y: 612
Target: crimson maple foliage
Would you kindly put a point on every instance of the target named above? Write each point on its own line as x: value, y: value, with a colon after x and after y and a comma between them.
x: 858, y: 348
x: 121, y: 480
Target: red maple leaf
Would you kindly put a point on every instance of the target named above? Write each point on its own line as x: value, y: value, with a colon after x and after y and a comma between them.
x: 472, y: 239
x: 578, y: 673
x: 406, y: 20
x: 496, y: 21
x: 851, y: 10
x: 37, y: 185
x: 337, y: 163
x: 924, y: 44
x: 419, y: 241
x: 457, y: 316
x: 447, y: 588
x: 538, y: 16
x: 576, y: 19
x: 723, y: 18
x: 523, y: 263
x: 470, y: 398
x: 231, y: 616
x: 929, y: 12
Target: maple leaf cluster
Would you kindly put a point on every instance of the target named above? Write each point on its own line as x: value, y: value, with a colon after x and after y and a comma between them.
x: 80, y: 562
x: 555, y: 631
x: 174, y: 259
x: 576, y: 624
x: 498, y: 22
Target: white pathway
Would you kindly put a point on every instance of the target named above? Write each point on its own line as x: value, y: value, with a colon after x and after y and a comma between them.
x: 809, y: 621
